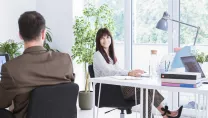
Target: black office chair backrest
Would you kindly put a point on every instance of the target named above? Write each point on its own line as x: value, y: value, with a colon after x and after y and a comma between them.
x: 111, y: 95
x: 6, y: 114
x: 56, y: 101
x: 91, y: 71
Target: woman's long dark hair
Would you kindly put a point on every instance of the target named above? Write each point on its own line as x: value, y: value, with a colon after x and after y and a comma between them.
x: 103, y: 32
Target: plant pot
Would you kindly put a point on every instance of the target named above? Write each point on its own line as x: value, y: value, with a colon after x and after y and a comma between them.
x: 85, y: 100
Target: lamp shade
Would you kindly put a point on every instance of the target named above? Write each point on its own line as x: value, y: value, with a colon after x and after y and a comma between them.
x: 163, y: 23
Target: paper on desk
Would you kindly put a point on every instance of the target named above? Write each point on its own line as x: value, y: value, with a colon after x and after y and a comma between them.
x: 126, y: 78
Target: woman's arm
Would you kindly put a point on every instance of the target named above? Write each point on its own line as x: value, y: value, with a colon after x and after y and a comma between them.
x: 134, y: 73
x: 102, y: 68
x: 119, y: 68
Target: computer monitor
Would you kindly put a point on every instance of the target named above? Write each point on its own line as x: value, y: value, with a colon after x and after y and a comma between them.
x: 191, y: 65
x: 3, y: 59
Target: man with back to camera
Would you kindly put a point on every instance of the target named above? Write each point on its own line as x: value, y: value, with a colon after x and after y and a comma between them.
x: 35, y: 67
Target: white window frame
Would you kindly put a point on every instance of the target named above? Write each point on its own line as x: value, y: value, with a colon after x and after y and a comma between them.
x: 173, y: 42
x: 173, y: 32
x: 173, y: 10
x: 176, y: 43
x: 128, y: 34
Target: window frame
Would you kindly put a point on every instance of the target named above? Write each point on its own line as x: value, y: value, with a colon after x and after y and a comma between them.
x: 174, y: 29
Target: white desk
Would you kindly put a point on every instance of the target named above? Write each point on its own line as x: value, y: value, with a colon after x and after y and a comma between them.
x: 147, y: 83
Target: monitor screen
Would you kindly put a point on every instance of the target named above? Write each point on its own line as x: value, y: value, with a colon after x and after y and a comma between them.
x: 191, y: 65
x: 3, y: 59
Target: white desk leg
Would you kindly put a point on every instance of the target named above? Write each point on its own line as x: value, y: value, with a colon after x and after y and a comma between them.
x: 195, y: 105
x: 94, y: 100
x: 141, y: 102
x: 199, y: 106
x: 153, y: 100
x: 98, y: 100
x: 200, y: 112
x: 135, y: 99
x: 146, y: 107
x: 203, y: 107
x: 206, y: 105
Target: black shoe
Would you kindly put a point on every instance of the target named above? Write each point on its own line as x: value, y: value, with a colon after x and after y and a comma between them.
x: 166, y: 112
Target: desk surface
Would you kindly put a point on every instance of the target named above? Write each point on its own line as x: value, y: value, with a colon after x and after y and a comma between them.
x: 148, y: 83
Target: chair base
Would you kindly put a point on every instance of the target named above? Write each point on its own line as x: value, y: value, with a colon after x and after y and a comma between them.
x: 110, y: 110
x: 122, y: 115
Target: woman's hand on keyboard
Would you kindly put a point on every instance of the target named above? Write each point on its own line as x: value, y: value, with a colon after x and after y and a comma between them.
x: 140, y: 71
x: 136, y: 73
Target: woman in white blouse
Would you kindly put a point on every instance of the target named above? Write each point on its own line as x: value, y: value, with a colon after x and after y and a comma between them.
x: 105, y: 64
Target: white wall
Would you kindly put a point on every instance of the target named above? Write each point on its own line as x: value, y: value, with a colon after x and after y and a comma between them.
x: 10, y: 10
x: 59, y: 17
x: 58, y: 14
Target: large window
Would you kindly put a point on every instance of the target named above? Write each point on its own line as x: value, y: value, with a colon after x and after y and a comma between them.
x: 118, y: 15
x: 146, y: 14
x: 194, y: 12
x: 146, y: 37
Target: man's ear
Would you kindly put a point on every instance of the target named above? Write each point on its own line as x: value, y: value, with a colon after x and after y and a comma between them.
x: 20, y: 36
x: 43, y: 34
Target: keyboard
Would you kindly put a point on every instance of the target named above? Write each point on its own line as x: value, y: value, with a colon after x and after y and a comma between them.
x: 126, y: 78
x: 145, y: 75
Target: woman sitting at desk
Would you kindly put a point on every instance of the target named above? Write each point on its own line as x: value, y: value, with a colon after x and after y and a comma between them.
x: 105, y: 64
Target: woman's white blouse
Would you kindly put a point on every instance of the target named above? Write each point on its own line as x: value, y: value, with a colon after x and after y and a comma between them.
x: 102, y: 68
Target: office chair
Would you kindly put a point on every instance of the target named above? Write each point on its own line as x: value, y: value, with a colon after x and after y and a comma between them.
x: 56, y: 101
x: 6, y: 114
x: 111, y: 96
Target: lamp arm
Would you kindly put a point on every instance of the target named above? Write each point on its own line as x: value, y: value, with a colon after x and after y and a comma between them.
x: 197, y: 32
x: 184, y: 23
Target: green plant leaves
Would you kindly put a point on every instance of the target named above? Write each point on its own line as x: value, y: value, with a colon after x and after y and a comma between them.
x: 201, y: 57
x: 48, y: 39
x: 11, y: 47
x: 85, y: 29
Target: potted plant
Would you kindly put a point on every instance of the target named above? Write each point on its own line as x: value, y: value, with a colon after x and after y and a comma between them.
x: 85, y: 29
x: 11, y: 47
x: 49, y: 40
x: 201, y: 57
